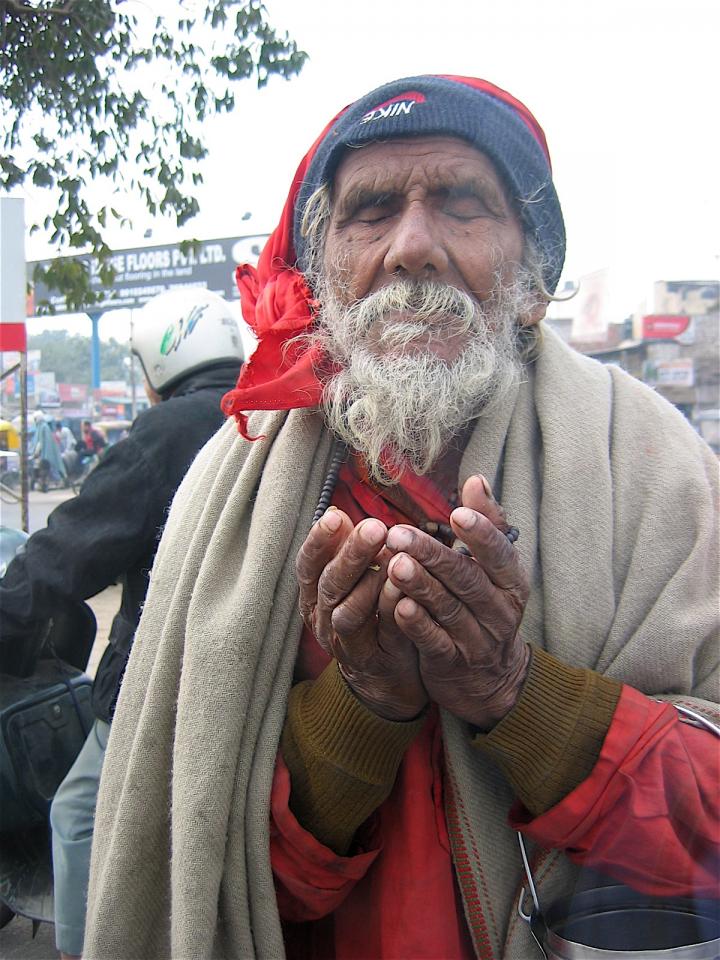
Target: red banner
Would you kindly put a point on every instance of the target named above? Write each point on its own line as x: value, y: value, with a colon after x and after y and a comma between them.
x: 664, y: 326
x: 73, y: 392
x: 13, y: 336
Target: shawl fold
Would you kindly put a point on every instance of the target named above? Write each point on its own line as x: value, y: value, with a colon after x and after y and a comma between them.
x: 617, y: 501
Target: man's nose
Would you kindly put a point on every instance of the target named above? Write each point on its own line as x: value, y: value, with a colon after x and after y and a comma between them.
x: 414, y: 245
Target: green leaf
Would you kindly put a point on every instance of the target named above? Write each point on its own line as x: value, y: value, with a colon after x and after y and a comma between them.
x: 42, y: 177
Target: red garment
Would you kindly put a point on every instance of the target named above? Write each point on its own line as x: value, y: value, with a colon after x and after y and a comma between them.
x: 278, y: 306
x: 94, y: 440
x: 397, y: 897
x: 647, y: 814
x: 664, y: 840
x: 416, y: 865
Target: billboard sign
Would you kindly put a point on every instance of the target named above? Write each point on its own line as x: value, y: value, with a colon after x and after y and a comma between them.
x: 143, y: 272
x: 669, y: 373
x: 664, y: 326
x: 12, y: 258
x: 590, y: 317
x: 13, y: 337
x: 73, y: 392
x: 694, y: 297
x: 11, y: 383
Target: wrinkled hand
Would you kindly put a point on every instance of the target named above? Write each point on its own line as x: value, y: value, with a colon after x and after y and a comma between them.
x: 463, y: 613
x: 341, y: 601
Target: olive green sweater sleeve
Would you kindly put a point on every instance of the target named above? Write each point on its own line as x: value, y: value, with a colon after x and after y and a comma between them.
x: 342, y: 758
x: 551, y: 739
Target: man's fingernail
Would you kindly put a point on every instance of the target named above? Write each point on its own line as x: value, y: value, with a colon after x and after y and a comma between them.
x: 372, y: 532
x: 464, y: 518
x: 407, y: 608
x: 391, y: 592
x: 486, y: 486
x: 399, y: 538
x: 331, y: 521
x: 401, y: 567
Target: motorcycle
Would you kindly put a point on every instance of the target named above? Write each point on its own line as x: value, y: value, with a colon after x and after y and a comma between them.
x: 42, y: 477
x: 45, y: 717
x: 78, y: 464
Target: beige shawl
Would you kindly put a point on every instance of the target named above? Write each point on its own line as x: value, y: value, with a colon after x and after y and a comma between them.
x: 616, y: 500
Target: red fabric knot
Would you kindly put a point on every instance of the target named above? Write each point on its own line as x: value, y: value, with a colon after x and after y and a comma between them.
x: 280, y: 375
x: 278, y: 306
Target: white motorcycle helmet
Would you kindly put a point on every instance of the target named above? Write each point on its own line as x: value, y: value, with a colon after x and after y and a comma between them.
x: 181, y: 331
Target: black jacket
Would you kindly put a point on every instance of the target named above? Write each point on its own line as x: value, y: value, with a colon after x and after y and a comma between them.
x: 109, y: 533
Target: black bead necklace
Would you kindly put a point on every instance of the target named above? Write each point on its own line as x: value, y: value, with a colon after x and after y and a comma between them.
x: 441, y: 531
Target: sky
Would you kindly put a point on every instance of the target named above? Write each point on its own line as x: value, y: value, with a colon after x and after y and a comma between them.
x: 626, y: 91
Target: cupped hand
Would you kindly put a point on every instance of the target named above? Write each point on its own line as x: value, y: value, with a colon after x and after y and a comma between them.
x: 463, y: 613
x: 341, y: 571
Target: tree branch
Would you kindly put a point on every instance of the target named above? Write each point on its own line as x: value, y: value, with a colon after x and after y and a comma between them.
x: 25, y: 8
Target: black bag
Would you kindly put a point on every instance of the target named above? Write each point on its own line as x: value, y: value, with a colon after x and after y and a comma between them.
x: 44, y: 721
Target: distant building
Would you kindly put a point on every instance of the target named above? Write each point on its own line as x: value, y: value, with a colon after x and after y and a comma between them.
x: 675, y: 349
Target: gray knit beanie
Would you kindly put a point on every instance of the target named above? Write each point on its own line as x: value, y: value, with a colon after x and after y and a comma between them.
x: 473, y: 110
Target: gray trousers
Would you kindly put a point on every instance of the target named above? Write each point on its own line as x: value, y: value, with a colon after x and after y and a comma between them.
x: 72, y: 816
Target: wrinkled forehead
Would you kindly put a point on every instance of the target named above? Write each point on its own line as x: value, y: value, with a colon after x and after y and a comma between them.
x: 398, y: 165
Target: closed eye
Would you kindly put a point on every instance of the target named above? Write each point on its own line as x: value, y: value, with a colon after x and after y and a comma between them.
x: 468, y: 203
x: 369, y: 207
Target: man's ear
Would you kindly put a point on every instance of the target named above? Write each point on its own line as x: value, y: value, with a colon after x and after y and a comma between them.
x: 535, y: 315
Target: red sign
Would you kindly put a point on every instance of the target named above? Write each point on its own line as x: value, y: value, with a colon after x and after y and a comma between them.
x: 72, y: 392
x: 112, y: 410
x: 13, y: 336
x: 664, y: 326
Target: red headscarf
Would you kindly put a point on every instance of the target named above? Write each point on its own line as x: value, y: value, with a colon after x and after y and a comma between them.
x: 278, y: 306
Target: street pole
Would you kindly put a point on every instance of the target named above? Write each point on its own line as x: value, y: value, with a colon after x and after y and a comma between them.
x: 24, y: 462
x: 133, y: 411
x: 13, y: 307
x: 95, y: 351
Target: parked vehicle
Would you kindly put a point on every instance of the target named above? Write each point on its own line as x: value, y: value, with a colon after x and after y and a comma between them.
x: 9, y: 462
x: 114, y: 430
x: 9, y: 436
x: 9, y: 476
x: 45, y: 716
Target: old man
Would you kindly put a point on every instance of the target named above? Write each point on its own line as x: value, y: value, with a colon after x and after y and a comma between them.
x: 330, y: 731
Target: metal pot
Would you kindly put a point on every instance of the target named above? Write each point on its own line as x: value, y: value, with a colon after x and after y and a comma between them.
x: 616, y: 923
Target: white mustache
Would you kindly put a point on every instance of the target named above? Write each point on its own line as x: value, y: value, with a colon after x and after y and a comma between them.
x: 424, y: 303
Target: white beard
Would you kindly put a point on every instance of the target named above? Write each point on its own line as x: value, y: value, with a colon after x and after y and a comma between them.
x: 403, y: 408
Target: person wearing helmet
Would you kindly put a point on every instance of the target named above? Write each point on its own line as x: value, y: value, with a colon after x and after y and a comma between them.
x: 189, y: 345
